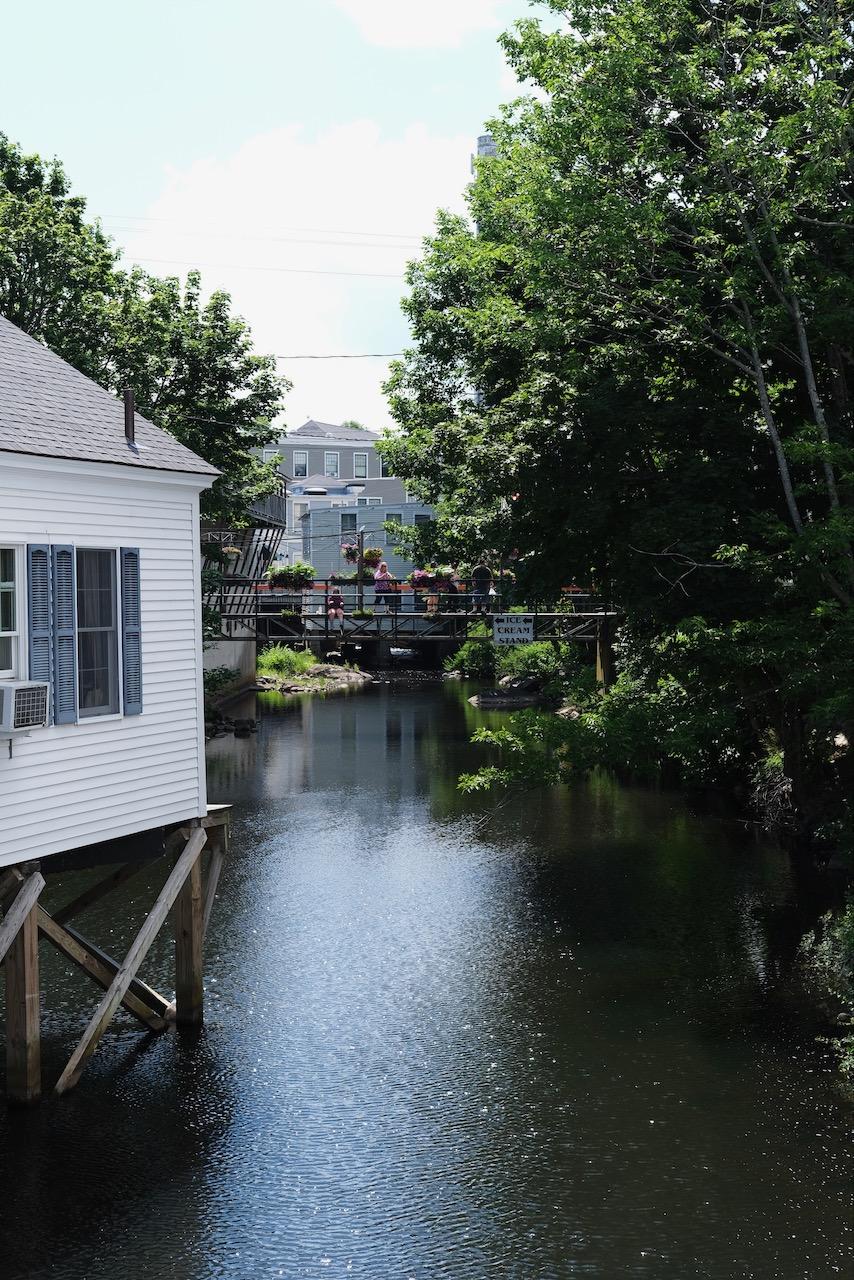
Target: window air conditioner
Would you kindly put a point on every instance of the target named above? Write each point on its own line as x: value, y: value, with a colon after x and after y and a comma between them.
x: 23, y: 705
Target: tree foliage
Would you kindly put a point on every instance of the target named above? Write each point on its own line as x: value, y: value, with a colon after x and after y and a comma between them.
x: 189, y: 360
x: 633, y: 364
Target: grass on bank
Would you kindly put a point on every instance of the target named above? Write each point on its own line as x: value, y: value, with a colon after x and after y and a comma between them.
x: 279, y: 660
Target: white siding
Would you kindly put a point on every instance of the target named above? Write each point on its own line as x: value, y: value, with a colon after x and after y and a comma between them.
x: 72, y: 785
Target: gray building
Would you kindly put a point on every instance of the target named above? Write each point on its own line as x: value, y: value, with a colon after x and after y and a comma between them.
x: 325, y: 465
x: 326, y: 531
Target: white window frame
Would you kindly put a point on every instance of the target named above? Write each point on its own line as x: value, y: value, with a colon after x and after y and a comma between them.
x: 361, y: 502
x: 363, y: 475
x: 83, y: 717
x: 375, y: 502
x: 302, y: 454
x: 385, y: 470
x: 327, y: 474
x: 271, y: 453
x: 297, y: 515
x: 18, y: 636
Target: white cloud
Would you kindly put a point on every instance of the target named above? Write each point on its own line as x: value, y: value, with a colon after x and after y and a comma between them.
x: 433, y: 24
x: 350, y: 200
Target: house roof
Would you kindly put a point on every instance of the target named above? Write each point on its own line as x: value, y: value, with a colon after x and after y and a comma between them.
x: 330, y: 431
x: 48, y: 408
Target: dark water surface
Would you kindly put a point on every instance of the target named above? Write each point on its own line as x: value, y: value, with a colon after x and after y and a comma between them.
x: 552, y: 1042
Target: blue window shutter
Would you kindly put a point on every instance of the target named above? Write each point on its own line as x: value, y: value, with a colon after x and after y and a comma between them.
x: 39, y: 612
x: 64, y: 636
x: 131, y: 633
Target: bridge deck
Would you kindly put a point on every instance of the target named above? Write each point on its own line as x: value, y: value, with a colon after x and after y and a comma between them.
x: 398, y: 627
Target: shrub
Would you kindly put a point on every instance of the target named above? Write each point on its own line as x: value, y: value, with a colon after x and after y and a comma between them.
x: 279, y: 660
x: 219, y: 678
x: 372, y: 556
x: 475, y: 660
x: 827, y: 955
x: 541, y: 659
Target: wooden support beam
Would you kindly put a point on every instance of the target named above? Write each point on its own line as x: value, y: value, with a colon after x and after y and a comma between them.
x: 81, y: 953
x: 127, y: 970
x: 23, y: 1030
x: 19, y: 909
x: 189, y: 923
x: 218, y: 838
x: 158, y: 1004
x: 97, y: 891
x: 9, y: 881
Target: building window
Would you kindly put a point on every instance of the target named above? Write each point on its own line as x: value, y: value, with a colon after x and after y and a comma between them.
x: 348, y: 521
x: 330, y: 464
x: 300, y: 509
x: 375, y: 502
x: 97, y: 634
x: 361, y: 502
x: 360, y: 466
x: 8, y: 613
x: 385, y: 469
x: 270, y: 454
x: 420, y: 518
x: 300, y: 464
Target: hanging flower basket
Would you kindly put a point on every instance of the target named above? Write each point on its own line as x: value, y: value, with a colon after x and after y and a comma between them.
x: 350, y: 552
x: 373, y: 556
x: 293, y: 577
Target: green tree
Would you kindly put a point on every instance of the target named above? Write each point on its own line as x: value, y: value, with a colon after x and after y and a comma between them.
x: 194, y: 373
x: 189, y: 361
x: 633, y: 365
x: 57, y: 272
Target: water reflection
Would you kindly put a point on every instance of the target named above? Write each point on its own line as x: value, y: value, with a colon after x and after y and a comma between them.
x: 449, y: 1039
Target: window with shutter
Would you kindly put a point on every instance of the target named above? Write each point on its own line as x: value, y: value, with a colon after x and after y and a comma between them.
x: 97, y: 633
x: 131, y: 632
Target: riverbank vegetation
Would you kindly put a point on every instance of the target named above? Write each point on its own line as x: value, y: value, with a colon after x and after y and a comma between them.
x: 279, y: 660
x: 633, y: 367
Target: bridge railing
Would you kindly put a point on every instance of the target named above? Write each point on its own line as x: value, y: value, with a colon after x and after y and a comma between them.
x: 403, y: 597
x: 242, y: 601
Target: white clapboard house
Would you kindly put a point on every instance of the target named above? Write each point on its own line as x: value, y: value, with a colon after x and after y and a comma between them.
x: 101, y: 694
x: 101, y: 730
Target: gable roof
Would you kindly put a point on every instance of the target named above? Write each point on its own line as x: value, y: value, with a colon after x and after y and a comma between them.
x: 329, y: 431
x: 48, y: 408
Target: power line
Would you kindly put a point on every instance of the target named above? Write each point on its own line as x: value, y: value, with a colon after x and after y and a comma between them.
x: 327, y: 231
x: 295, y: 271
x: 227, y: 235
x: 350, y: 355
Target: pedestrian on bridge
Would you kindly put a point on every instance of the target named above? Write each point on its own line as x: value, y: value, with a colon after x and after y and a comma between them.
x: 335, y: 607
x: 481, y: 581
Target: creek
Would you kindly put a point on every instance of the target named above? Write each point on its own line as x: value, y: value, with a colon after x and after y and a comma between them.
x: 545, y: 1035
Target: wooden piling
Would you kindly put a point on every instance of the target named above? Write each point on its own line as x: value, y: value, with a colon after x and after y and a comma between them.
x: 189, y: 934
x: 605, y: 668
x: 23, y: 1026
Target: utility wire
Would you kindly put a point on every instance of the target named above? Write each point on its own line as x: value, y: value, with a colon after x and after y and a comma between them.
x: 350, y: 355
x: 294, y: 271
x: 326, y: 231
x: 330, y: 244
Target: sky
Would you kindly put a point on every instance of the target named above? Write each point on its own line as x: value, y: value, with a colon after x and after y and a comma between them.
x: 296, y: 151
